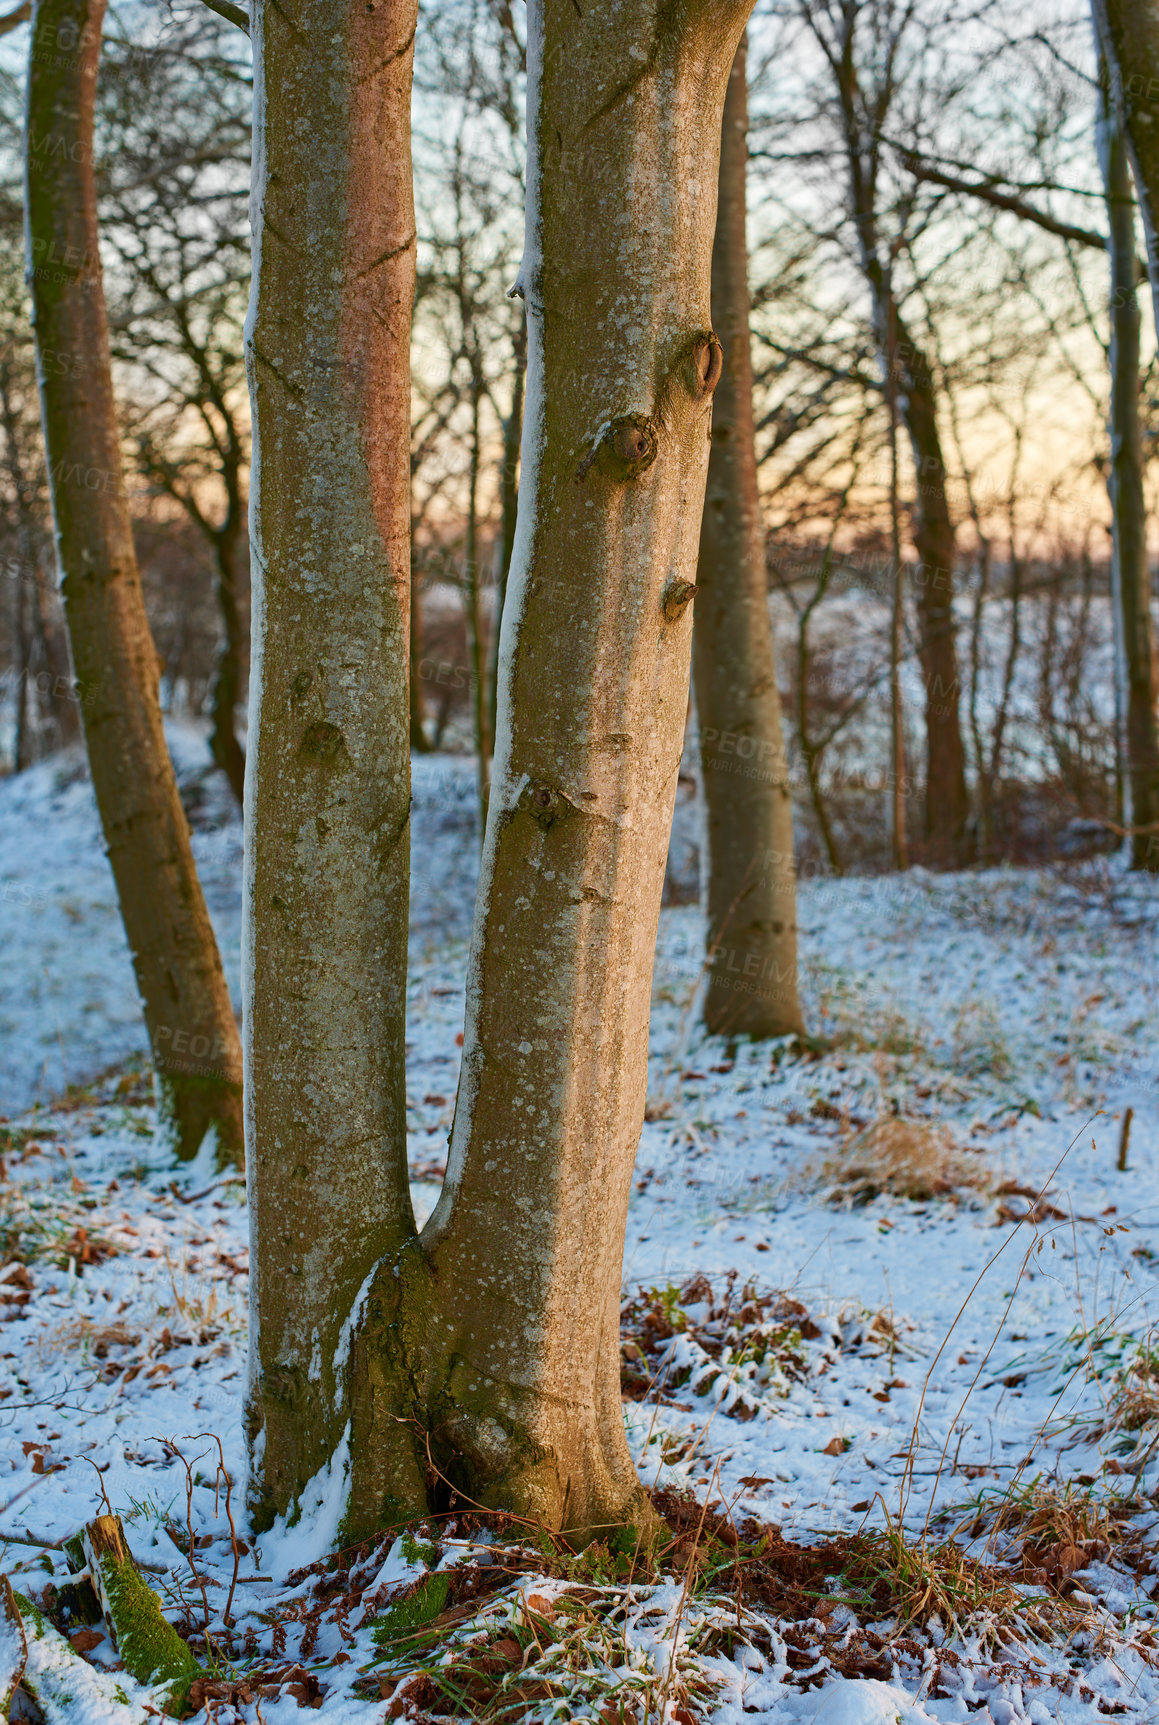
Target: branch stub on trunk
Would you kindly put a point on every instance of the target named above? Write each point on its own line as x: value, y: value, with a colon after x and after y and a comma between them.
x: 678, y: 595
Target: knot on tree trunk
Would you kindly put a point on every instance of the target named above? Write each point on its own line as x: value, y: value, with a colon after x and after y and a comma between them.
x: 624, y: 448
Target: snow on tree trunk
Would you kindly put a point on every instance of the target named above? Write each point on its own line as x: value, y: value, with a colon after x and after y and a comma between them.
x: 328, y: 788
x: 749, y: 869
x: 489, y: 1353
x: 1130, y: 564
x: 194, y: 1039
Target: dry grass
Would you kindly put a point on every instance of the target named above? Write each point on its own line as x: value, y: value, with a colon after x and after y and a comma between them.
x: 902, y: 1156
x: 924, y: 1581
x: 1047, y: 1531
x: 1133, y: 1403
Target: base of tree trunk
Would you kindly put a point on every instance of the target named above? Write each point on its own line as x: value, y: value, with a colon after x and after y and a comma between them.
x: 191, y: 1105
x: 428, y: 1430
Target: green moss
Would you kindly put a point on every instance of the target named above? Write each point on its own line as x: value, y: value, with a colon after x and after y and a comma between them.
x: 29, y: 1612
x: 151, y: 1648
x: 417, y: 1551
x: 399, y: 1622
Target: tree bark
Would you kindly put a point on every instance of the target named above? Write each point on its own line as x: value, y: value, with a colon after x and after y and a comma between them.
x: 488, y: 1356
x: 1128, y: 32
x: 1130, y: 565
x: 191, y: 1026
x: 223, y: 741
x: 328, y: 794
x: 750, y: 876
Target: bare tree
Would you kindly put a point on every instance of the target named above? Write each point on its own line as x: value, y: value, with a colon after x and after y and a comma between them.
x: 485, y: 1350
x: 187, y: 1009
x: 174, y: 124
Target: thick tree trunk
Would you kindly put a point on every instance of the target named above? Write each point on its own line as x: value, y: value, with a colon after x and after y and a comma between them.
x: 749, y: 866
x: 187, y: 1009
x: 1130, y: 566
x: 328, y: 790
x: 489, y: 1354
x: 223, y: 741
x: 1128, y: 32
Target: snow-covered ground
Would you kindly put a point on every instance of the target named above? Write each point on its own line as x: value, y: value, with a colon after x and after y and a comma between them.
x: 798, y: 1347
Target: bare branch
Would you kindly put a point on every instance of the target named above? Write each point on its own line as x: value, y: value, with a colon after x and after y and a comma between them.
x: 231, y: 13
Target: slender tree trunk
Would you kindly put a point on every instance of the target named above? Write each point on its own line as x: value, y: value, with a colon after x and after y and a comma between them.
x: 328, y: 789
x: 191, y: 1025
x: 811, y: 751
x: 1130, y: 566
x: 223, y: 742
x: 509, y: 495
x: 947, y: 804
x: 418, y: 732
x: 489, y: 1355
x: 750, y: 873
x: 1128, y: 32
x: 896, y: 815
x: 22, y: 640
x: 476, y: 629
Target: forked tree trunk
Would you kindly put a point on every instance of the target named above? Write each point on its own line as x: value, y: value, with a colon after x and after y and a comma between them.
x: 489, y: 1351
x: 1128, y: 32
x: 328, y: 792
x: 1130, y: 565
x: 191, y: 1025
x: 749, y: 866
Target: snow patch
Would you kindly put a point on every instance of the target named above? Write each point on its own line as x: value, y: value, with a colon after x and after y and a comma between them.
x: 312, y: 1532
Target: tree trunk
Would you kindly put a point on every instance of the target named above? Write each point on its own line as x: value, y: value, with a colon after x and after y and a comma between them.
x: 476, y: 629
x: 191, y: 1025
x: 1128, y: 32
x: 22, y: 643
x: 749, y: 866
x: 489, y: 1353
x: 509, y: 496
x: 947, y: 804
x: 328, y: 801
x: 896, y: 821
x: 418, y: 732
x: 60, y: 698
x: 223, y: 742
x: 1130, y: 566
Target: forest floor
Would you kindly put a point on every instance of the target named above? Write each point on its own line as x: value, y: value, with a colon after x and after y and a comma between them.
x: 887, y: 1324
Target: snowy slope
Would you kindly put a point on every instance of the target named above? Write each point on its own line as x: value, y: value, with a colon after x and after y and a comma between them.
x: 915, y: 1353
